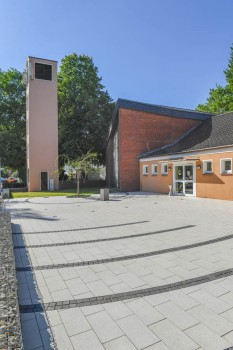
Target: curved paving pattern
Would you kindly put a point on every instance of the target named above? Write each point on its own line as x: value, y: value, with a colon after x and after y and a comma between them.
x: 104, y: 299
x: 103, y: 239
x: 119, y: 286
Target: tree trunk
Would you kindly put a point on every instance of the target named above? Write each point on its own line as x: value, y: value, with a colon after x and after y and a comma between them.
x: 78, y: 177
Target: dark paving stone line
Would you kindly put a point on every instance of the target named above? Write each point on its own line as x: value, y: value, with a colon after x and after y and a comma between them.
x: 102, y: 239
x: 80, y: 229
x: 126, y: 295
x: 126, y: 257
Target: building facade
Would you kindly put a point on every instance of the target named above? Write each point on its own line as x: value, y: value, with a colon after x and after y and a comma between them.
x: 197, y: 164
x: 41, y: 124
x: 137, y: 128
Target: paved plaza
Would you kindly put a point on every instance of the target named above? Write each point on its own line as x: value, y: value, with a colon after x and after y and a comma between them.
x: 139, y: 271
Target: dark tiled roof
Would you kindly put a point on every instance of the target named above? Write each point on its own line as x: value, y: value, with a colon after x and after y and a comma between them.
x: 216, y: 131
x: 156, y: 109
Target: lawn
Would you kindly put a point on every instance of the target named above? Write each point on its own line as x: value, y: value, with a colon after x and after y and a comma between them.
x: 83, y: 192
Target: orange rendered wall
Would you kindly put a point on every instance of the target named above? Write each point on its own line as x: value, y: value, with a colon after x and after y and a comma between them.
x: 215, y: 185
x: 140, y: 132
x: 155, y: 183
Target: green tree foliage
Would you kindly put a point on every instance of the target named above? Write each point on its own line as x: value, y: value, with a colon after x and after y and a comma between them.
x: 85, y: 108
x: 221, y: 98
x: 12, y: 119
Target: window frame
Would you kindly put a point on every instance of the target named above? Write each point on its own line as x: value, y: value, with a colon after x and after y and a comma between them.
x: 163, y: 172
x: 153, y: 172
x: 145, y: 169
x: 222, y: 166
x: 43, y: 64
x: 205, y: 171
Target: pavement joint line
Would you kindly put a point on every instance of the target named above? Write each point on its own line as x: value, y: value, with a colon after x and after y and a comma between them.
x: 80, y: 229
x: 103, y: 239
x: 122, y: 258
x: 104, y: 299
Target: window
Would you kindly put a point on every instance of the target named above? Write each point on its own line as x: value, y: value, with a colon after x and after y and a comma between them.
x: 207, y: 167
x: 145, y: 169
x: 43, y: 71
x: 164, y: 169
x: 226, y: 166
x: 154, y: 169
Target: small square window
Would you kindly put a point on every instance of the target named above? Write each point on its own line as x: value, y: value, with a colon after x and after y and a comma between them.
x: 226, y: 166
x: 207, y: 166
x: 145, y: 169
x: 164, y: 168
x: 43, y: 71
x: 154, y: 169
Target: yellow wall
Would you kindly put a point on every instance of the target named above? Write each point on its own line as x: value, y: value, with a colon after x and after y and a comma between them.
x: 215, y: 185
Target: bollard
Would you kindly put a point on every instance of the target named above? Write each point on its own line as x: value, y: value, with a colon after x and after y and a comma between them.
x: 104, y: 194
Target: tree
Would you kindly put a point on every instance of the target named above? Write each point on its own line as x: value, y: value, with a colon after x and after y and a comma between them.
x: 221, y: 98
x: 85, y: 108
x: 12, y: 119
x: 81, y: 166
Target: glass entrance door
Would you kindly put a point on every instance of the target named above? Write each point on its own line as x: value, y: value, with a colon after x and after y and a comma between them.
x: 184, y: 180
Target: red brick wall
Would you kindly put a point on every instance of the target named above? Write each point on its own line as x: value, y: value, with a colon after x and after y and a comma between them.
x: 140, y: 132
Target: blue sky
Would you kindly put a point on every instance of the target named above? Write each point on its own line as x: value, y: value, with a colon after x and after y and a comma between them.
x: 168, y: 52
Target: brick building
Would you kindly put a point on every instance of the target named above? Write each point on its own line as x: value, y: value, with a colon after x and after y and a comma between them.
x: 137, y: 128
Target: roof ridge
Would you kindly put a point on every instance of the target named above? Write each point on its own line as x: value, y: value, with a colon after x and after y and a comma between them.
x: 221, y: 114
x: 163, y: 106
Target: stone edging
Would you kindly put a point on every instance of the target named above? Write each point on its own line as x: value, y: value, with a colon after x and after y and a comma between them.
x: 10, y: 326
x: 104, y: 299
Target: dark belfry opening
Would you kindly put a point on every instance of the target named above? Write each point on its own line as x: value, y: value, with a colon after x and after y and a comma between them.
x: 43, y: 71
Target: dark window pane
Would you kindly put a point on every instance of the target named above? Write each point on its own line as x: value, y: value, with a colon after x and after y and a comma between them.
x: 43, y: 71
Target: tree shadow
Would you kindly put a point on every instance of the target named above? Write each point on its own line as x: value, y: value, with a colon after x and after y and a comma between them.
x: 29, y: 214
x: 36, y: 330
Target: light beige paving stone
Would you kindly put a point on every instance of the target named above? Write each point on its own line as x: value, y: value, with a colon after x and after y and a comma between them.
x: 108, y: 277
x: 228, y: 315
x: 145, y: 311
x: 176, y: 315
x: 117, y: 310
x: 76, y: 286
x: 156, y: 299
x: 86, y: 341
x: 158, y: 346
x: 67, y: 273
x: 140, y: 335
x: 87, y: 275
x: 229, y: 337
x: 61, y: 295
x: 74, y: 321
x: 54, y: 318
x: 182, y: 300
x: 207, y: 338
x: 215, y: 322
x: 55, y: 283
x: 89, y: 310
x: 122, y: 343
x: 61, y: 338
x: 131, y: 280
x: 171, y: 336
x: 227, y: 298
x: 105, y: 328
x: 99, y: 288
x: 210, y: 301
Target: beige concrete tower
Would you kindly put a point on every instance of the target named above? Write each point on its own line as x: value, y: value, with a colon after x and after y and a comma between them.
x: 42, y: 124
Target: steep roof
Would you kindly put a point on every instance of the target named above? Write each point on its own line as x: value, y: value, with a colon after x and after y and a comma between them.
x: 155, y: 109
x: 216, y: 131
